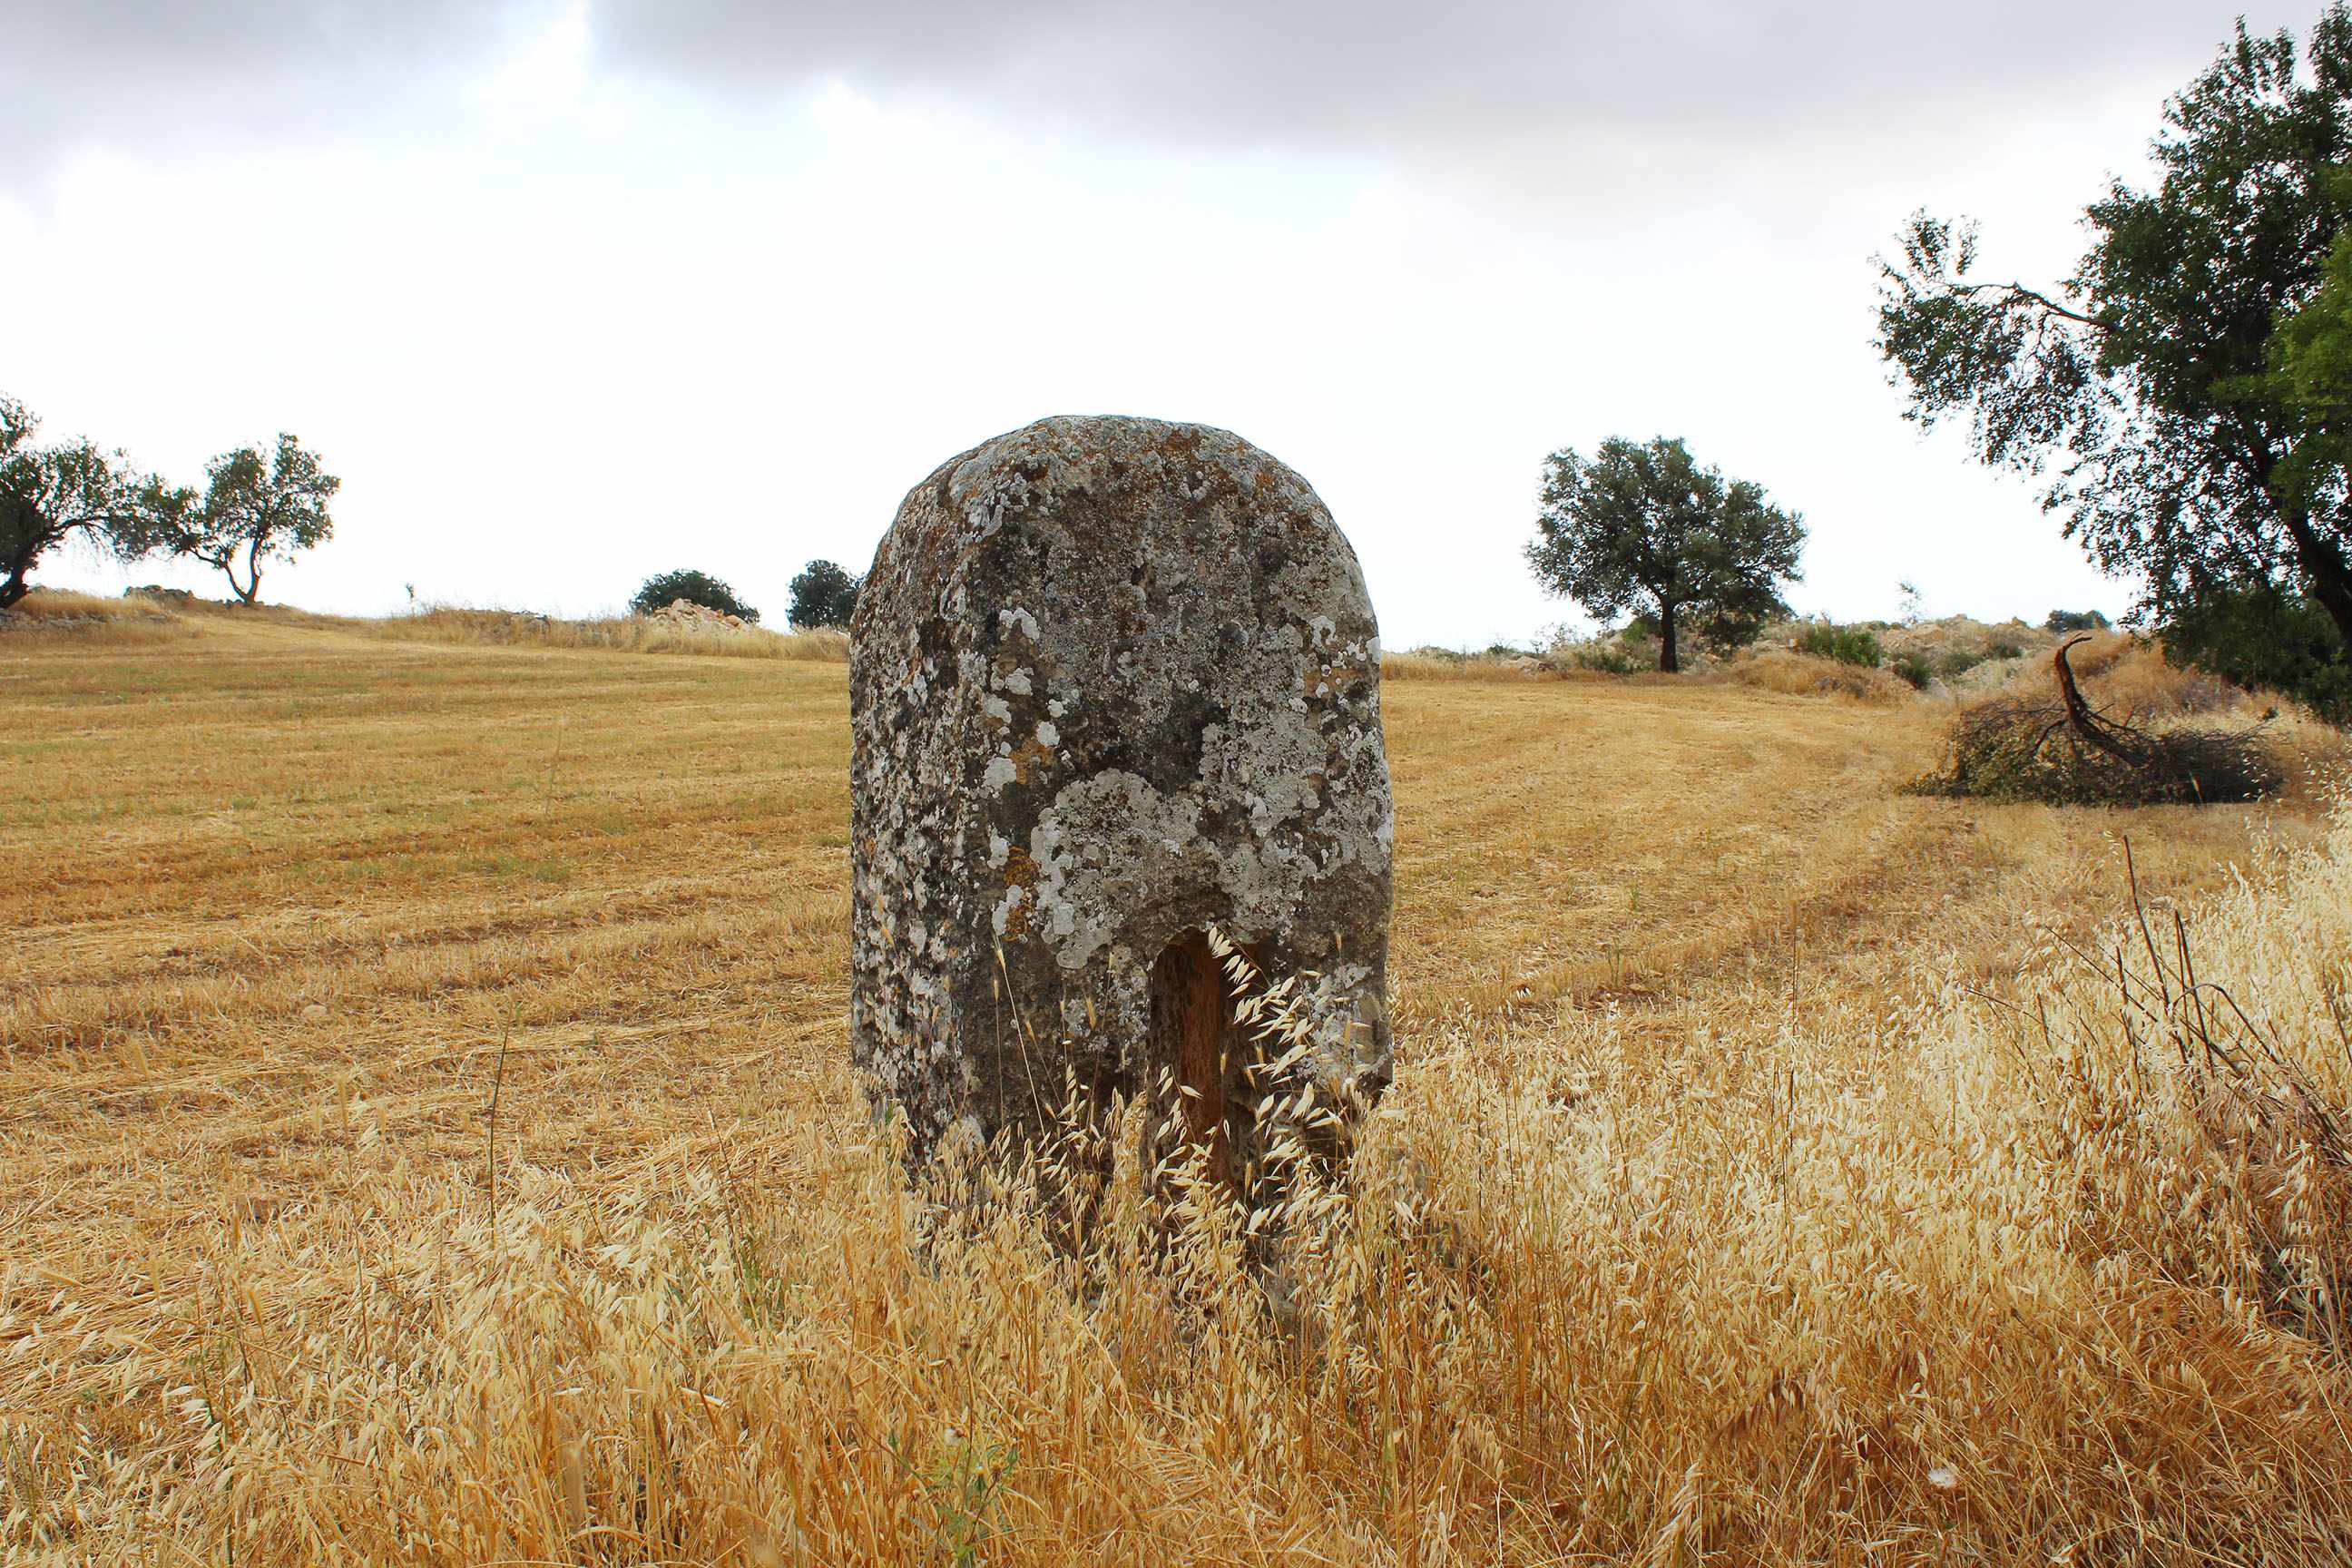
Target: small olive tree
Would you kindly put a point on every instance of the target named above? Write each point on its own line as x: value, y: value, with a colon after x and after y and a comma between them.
x: 823, y: 595
x: 1643, y: 526
x: 253, y: 509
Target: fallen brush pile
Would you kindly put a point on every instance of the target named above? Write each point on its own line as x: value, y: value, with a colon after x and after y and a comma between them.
x: 2066, y: 753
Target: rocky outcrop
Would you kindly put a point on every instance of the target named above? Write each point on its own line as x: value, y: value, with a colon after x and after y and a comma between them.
x: 685, y: 614
x: 1114, y: 683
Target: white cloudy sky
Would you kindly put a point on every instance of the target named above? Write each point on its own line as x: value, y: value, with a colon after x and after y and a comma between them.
x: 570, y: 292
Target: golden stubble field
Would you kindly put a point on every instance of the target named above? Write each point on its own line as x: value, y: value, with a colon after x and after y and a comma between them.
x: 425, y: 1135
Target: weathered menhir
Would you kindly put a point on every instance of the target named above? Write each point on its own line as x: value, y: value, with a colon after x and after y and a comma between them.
x: 1113, y: 681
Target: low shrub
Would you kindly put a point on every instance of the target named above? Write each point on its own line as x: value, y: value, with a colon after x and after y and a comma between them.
x: 1847, y: 645
x: 1958, y: 662
x: 1911, y: 667
x: 1605, y: 655
x: 2064, y: 621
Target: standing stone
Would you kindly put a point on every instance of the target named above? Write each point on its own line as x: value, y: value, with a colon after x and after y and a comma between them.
x: 1113, y: 682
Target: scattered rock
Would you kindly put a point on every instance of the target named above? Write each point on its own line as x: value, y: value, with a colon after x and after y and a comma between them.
x: 1113, y: 682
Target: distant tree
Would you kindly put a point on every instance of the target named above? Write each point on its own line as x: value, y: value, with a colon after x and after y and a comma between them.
x: 823, y: 595
x: 51, y: 494
x: 2075, y: 621
x: 253, y: 509
x: 2149, y: 384
x: 695, y: 588
x: 1643, y: 526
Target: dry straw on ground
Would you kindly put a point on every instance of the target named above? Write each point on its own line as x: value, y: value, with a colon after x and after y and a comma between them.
x: 1778, y: 1169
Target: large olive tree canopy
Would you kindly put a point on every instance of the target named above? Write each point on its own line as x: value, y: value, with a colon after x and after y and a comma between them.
x: 2146, y: 389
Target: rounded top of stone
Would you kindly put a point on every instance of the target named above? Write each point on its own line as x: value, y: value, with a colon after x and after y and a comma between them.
x: 1100, y: 498
x: 1091, y: 453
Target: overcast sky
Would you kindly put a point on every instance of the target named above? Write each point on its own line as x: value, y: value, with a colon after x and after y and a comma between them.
x: 569, y: 293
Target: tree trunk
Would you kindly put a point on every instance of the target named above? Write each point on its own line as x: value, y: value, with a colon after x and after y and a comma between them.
x: 2325, y: 573
x: 245, y: 591
x: 1669, y: 663
x: 18, y: 566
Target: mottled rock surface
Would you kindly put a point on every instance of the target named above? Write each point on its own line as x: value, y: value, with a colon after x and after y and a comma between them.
x: 1112, y: 681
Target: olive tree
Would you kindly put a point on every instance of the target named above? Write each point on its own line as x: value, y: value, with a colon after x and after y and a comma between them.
x: 253, y: 509
x: 2178, y: 433
x: 49, y: 494
x: 823, y: 595
x: 1643, y: 526
x: 664, y: 588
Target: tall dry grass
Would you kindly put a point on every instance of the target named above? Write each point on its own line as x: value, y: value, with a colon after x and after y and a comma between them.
x: 1797, y: 674
x: 49, y: 615
x: 1854, y: 1209
x: 618, y: 634
x: 1420, y: 664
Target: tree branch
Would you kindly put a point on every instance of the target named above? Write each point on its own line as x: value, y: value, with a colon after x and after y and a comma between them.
x: 2018, y: 292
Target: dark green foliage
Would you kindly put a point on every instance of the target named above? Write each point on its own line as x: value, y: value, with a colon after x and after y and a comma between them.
x: 2180, y: 445
x: 1643, y: 526
x: 823, y: 595
x: 695, y: 588
x: 2256, y: 637
x: 2004, y: 649
x: 1915, y: 669
x: 2064, y: 621
x: 1958, y: 662
x: 2310, y: 372
x: 2021, y: 751
x: 51, y: 494
x: 1847, y: 645
x: 1727, y: 630
x: 253, y: 509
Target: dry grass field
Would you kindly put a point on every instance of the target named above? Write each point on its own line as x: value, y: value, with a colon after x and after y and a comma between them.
x: 426, y: 1136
